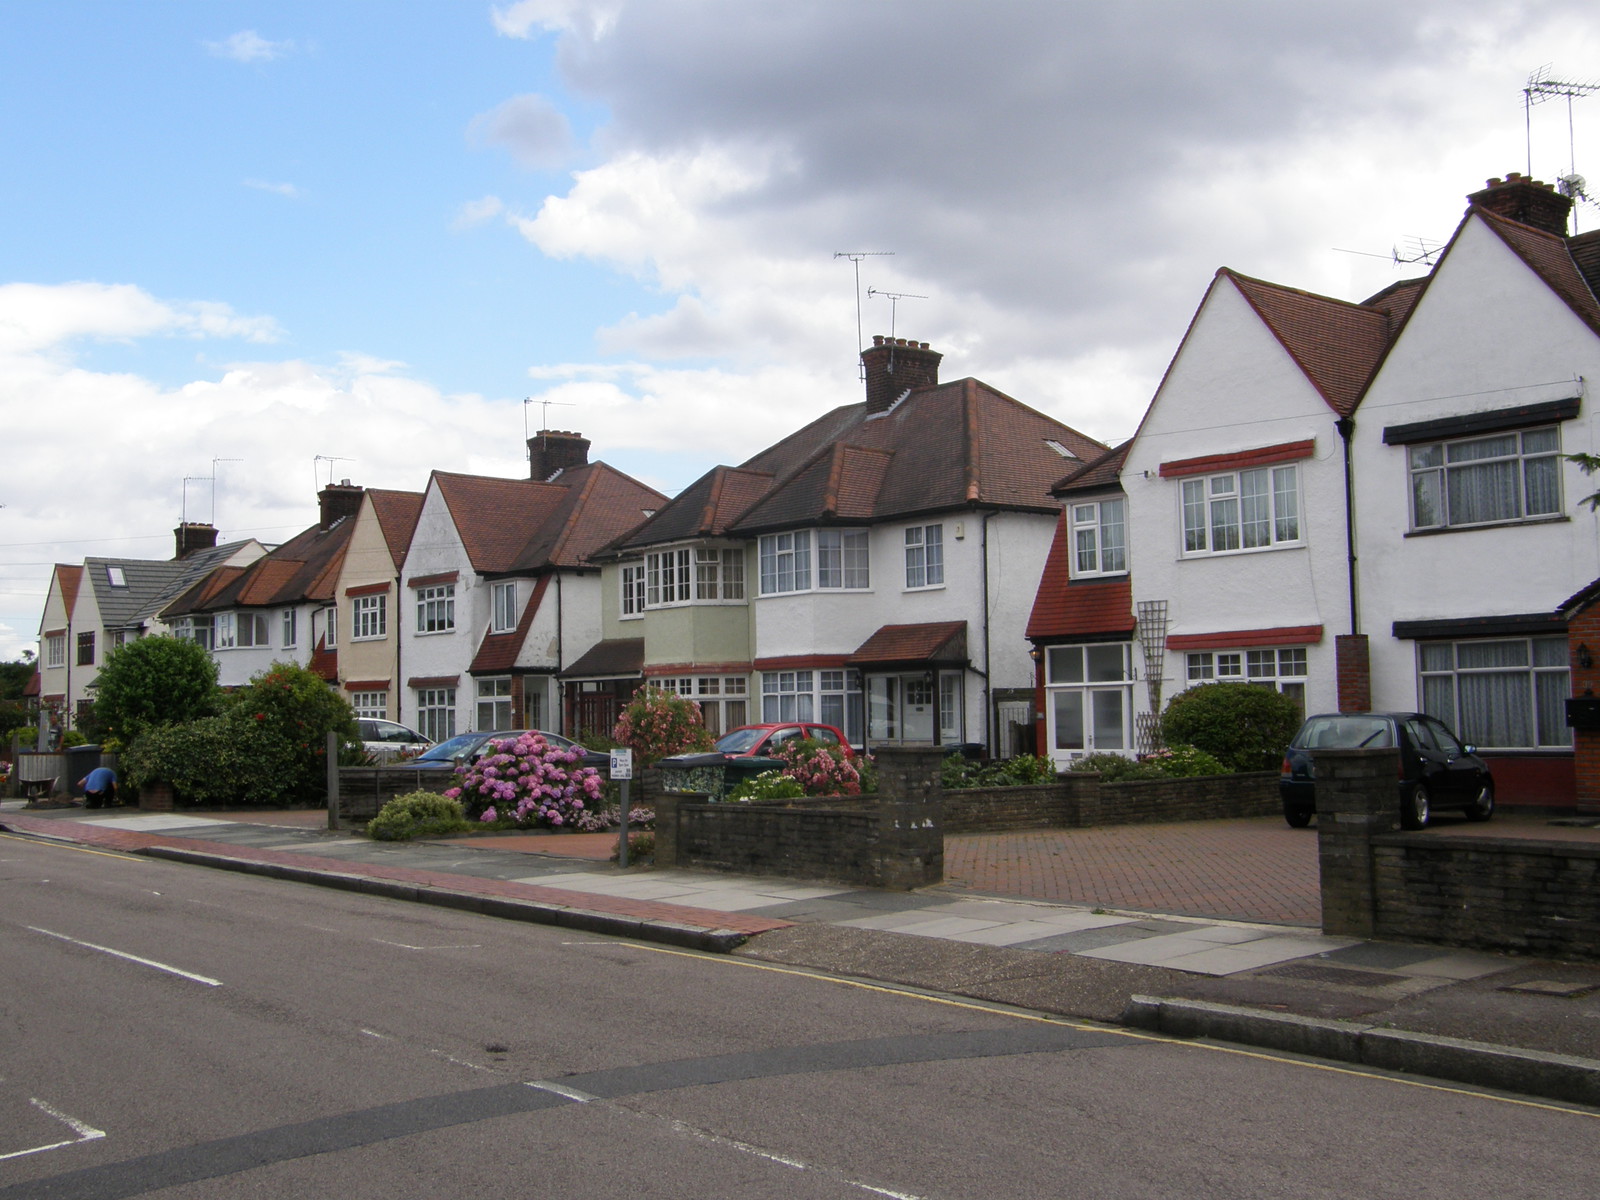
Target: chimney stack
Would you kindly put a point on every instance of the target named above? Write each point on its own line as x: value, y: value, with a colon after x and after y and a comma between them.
x: 338, y: 500
x: 552, y: 450
x: 1529, y: 201
x: 895, y: 364
x: 192, y: 536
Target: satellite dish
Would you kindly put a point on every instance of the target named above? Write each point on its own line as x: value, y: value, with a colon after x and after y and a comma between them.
x: 1573, y: 185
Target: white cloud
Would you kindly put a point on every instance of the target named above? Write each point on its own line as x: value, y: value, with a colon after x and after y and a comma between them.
x: 476, y: 212
x: 531, y: 129
x: 287, y: 190
x: 39, y: 317
x: 249, y: 46
x: 592, y: 18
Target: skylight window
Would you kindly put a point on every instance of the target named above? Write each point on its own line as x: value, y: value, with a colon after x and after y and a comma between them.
x: 115, y: 577
x: 1060, y: 449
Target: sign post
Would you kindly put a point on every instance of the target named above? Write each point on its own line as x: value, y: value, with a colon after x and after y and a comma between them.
x: 622, y: 772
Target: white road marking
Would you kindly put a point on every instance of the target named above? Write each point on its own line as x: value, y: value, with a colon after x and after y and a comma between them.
x: 717, y: 1139
x: 85, y: 1132
x: 448, y: 946
x: 376, y: 1034
x: 144, y: 962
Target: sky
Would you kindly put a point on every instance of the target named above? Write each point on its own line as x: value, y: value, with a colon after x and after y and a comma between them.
x: 251, y: 247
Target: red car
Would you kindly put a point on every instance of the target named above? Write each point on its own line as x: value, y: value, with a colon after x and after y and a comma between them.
x: 761, y: 741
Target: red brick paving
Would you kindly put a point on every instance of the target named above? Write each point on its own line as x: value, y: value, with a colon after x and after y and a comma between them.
x: 131, y: 841
x: 1245, y: 870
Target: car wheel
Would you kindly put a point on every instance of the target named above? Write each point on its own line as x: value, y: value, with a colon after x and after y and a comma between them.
x: 1414, y: 808
x: 1482, y: 808
x: 1298, y: 815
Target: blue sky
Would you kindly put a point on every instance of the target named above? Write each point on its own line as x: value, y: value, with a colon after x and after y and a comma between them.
x: 239, y: 236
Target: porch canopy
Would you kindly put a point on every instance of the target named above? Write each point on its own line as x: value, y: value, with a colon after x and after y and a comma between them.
x: 937, y: 643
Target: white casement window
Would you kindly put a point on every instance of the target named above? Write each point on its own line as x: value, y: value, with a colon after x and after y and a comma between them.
x: 925, y: 556
x: 494, y: 704
x: 1099, y: 538
x: 200, y: 630
x: 370, y: 704
x: 724, y: 700
x: 330, y: 625
x: 251, y: 630
x: 369, y: 617
x: 227, y: 638
x: 668, y: 577
x: 1506, y: 693
x: 840, y: 704
x: 842, y: 560
x: 291, y: 627
x: 718, y: 573
x: 788, y: 696
x: 55, y: 650
x: 1090, y: 706
x: 436, y: 713
x: 1243, y: 510
x: 1482, y: 480
x: 436, y: 609
x: 1283, y: 670
x: 633, y: 591
x: 786, y: 563
x: 505, y: 607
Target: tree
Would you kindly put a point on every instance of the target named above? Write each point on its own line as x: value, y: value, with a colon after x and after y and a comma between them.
x: 155, y: 681
x: 287, y: 713
x: 14, y: 676
x: 1244, y: 725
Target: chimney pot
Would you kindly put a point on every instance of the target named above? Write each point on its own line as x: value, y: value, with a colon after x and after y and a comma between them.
x: 894, y: 366
x: 1519, y: 198
x: 192, y: 536
x: 552, y: 450
x: 337, y: 501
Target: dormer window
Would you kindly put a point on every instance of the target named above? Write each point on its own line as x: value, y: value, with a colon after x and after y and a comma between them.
x: 1099, y: 537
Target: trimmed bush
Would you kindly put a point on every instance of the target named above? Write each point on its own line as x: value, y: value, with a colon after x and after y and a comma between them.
x: 1114, y: 768
x: 1244, y: 725
x: 418, y: 814
x: 154, y: 681
x: 1186, y: 761
x: 958, y: 772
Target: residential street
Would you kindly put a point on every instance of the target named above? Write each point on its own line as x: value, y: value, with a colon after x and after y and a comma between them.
x: 179, y: 1032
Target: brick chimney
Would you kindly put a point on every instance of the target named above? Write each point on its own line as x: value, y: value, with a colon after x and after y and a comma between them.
x: 1529, y: 201
x: 338, y: 500
x: 895, y: 364
x: 552, y: 450
x: 192, y: 536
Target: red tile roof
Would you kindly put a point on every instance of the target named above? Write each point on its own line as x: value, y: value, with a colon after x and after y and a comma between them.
x: 70, y: 577
x: 498, y: 652
x: 1063, y: 607
x: 397, y: 514
x: 936, y: 641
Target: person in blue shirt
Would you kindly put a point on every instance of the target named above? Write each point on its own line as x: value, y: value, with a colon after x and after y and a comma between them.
x: 99, y: 787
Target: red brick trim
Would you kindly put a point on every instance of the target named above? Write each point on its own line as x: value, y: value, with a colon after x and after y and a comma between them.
x: 422, y: 581
x: 366, y: 685
x: 802, y: 662
x: 1287, y: 635
x: 58, y: 633
x: 433, y: 681
x: 659, y: 670
x: 369, y: 589
x: 1207, y: 463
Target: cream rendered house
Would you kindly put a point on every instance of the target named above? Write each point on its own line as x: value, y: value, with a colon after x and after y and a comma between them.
x: 366, y: 594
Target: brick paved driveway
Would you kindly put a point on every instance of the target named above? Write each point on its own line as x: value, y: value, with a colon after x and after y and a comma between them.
x: 1257, y: 869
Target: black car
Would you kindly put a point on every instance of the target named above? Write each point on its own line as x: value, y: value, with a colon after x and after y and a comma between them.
x: 466, y: 747
x: 1436, y: 770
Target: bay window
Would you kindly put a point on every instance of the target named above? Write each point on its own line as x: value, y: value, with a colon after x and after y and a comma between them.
x: 786, y: 562
x: 1508, y: 692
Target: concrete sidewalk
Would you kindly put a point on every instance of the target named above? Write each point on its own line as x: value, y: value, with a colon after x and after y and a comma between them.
x: 1497, y: 1021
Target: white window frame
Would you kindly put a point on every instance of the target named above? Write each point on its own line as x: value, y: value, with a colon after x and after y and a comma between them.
x: 724, y: 700
x: 669, y: 577
x: 200, y: 630
x: 55, y: 650
x: 718, y: 575
x: 1282, y: 668
x: 1544, y: 669
x: 436, y: 609
x: 251, y: 630
x: 1084, y: 683
x: 291, y: 628
x: 223, y: 625
x: 788, y: 696
x: 503, y: 601
x: 1535, y: 492
x: 494, y: 704
x: 369, y: 617
x: 785, y: 562
x: 924, y: 557
x: 1223, y: 513
x: 374, y: 705
x: 330, y: 626
x: 1099, y: 537
x: 633, y: 591
x: 436, y: 713
x: 844, y: 560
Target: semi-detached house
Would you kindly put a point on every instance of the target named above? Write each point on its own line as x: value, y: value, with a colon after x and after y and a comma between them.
x: 873, y: 570
x: 1361, y: 505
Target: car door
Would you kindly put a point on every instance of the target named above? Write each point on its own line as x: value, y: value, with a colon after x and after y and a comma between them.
x: 1428, y: 763
x: 1460, y: 769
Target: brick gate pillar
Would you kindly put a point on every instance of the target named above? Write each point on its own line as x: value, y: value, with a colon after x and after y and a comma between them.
x: 1357, y: 798
x: 910, y: 816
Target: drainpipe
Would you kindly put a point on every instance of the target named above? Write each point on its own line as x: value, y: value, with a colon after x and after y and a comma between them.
x: 561, y: 650
x: 1347, y: 427
x: 988, y: 694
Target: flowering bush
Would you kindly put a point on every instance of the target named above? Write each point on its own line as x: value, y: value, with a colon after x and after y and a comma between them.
x: 769, y: 785
x: 657, y: 724
x: 603, y: 820
x: 821, y: 769
x: 526, y: 781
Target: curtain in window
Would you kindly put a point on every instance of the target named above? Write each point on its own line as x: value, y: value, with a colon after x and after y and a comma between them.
x: 1483, y: 491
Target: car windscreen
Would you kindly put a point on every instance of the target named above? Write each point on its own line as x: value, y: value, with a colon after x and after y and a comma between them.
x: 739, y: 740
x: 447, y: 750
x: 1345, y: 733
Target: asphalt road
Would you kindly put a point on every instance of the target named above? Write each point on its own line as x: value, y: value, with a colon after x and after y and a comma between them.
x: 168, y: 1031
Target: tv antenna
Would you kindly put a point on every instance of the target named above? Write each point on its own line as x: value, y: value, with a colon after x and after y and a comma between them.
x: 1540, y: 87
x: 855, y: 257
x: 330, y: 459
x: 1418, y: 250
x: 894, y: 302
x: 214, y: 463
x: 544, y: 417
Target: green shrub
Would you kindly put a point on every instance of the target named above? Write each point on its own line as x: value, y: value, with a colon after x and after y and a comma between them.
x: 1186, y: 761
x: 155, y: 681
x: 418, y: 814
x: 1244, y: 725
x: 640, y: 846
x: 294, y: 710
x: 1114, y: 768
x: 211, y: 761
x: 958, y: 772
x: 768, y: 786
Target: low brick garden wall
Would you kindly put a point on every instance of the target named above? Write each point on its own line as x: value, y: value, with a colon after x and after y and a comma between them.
x: 1079, y: 801
x: 364, y: 790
